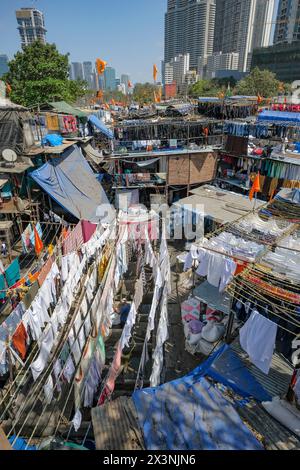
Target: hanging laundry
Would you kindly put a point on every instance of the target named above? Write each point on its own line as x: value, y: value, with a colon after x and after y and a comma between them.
x: 257, y: 338
x: 48, y: 390
x: 46, y: 346
x: 77, y: 420
x: 38, y: 244
x: 19, y: 340
x: 12, y: 273
x: 52, y: 122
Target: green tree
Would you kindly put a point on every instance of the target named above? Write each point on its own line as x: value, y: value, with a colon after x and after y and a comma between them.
x: 39, y: 74
x: 259, y: 82
x: 144, y: 93
x: 204, y: 88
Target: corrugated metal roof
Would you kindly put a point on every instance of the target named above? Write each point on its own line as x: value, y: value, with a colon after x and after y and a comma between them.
x: 116, y: 427
x: 279, y: 377
x: 275, y: 435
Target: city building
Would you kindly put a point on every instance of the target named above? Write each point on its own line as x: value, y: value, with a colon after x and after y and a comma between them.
x: 125, y: 79
x: 189, y: 29
x: 31, y: 26
x: 88, y: 74
x: 288, y: 22
x: 282, y: 59
x: 110, y: 79
x: 3, y: 64
x: 176, y: 70
x: 209, y: 66
x: 117, y: 82
x: 190, y: 78
x: 167, y: 73
x: 77, y: 71
x: 170, y: 90
x: 241, y: 26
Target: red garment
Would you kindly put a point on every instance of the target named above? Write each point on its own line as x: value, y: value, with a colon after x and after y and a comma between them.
x: 45, y: 270
x: 88, y: 230
x: 74, y: 240
x: 104, y: 395
x: 19, y: 340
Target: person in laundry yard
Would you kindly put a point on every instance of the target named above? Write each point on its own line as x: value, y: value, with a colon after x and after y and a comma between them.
x: 124, y: 310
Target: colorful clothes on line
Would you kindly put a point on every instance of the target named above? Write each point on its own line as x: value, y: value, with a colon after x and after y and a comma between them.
x: 45, y: 270
x: 12, y: 273
x: 74, y: 240
x: 19, y: 340
x: 277, y: 291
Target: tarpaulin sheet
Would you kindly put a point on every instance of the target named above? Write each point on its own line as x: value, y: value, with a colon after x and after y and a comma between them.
x: 289, y: 196
x: 190, y: 414
x: 281, y: 116
x: 101, y: 126
x: 227, y: 368
x: 70, y: 181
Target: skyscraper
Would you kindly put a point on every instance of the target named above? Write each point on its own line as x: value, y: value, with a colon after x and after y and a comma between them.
x: 77, y: 71
x: 31, y: 26
x: 110, y: 79
x: 288, y: 22
x: 189, y: 29
x: 88, y: 74
x: 3, y: 64
x: 241, y: 26
x: 125, y: 79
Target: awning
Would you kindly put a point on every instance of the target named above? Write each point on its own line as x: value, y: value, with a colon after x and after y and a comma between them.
x: 281, y: 116
x: 93, y: 154
x: 142, y: 164
x: 70, y: 181
x: 66, y: 108
x: 101, y: 126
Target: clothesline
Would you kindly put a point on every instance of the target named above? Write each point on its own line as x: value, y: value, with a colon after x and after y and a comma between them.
x: 245, y: 289
x: 244, y: 302
x: 66, y: 336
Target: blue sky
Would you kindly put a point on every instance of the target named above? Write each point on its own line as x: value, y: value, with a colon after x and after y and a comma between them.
x: 128, y: 34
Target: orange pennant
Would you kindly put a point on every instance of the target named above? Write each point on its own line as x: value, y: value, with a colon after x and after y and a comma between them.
x: 38, y: 244
x: 255, y: 187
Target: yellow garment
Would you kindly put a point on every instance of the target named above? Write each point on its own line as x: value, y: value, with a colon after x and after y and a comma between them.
x: 52, y: 122
x: 50, y: 249
x: 102, y: 267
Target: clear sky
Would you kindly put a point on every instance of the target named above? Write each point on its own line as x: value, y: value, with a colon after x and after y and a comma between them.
x: 128, y: 34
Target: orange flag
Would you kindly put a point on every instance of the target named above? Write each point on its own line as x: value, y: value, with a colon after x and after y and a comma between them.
x: 155, y: 71
x: 38, y: 244
x: 100, y: 65
x: 129, y: 84
x: 255, y: 187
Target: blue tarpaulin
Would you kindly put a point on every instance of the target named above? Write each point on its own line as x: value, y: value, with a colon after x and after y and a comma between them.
x: 20, y: 444
x: 281, y: 116
x: 101, y: 126
x: 70, y: 181
x: 191, y: 414
x: 227, y: 368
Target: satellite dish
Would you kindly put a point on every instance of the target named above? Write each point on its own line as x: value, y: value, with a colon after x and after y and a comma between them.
x: 9, y: 155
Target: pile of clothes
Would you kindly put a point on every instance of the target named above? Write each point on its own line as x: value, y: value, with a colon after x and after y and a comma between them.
x: 203, y: 327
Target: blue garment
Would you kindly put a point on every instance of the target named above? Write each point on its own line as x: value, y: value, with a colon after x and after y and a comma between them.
x: 2, y: 287
x: 124, y: 311
x: 12, y: 273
